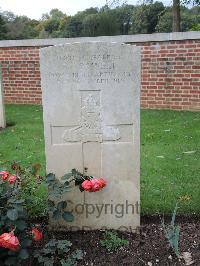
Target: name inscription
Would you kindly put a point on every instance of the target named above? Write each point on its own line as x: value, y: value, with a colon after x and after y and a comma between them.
x: 96, y: 68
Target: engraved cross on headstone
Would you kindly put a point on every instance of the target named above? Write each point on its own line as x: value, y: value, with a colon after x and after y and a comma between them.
x: 91, y: 129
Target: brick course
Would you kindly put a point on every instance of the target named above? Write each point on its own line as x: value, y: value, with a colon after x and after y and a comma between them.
x: 170, y: 74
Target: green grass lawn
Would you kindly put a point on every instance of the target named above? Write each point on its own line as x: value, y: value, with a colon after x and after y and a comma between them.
x: 170, y: 155
x: 170, y: 161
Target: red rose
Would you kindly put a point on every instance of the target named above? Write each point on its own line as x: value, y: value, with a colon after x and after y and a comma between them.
x: 4, y: 175
x: 12, y: 179
x: 94, y: 184
x: 102, y: 182
x: 87, y: 185
x: 8, y: 240
x: 37, y: 235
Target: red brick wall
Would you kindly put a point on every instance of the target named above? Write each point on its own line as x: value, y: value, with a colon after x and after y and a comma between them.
x: 21, y: 74
x: 170, y: 75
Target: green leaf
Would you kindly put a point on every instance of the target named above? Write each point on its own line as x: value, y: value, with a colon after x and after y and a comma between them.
x: 51, y: 203
x: 19, y: 208
x: 176, y: 240
x: 68, y: 262
x: 21, y: 225
x: 46, y: 261
x: 12, y: 214
x: 61, y: 205
x: 49, y: 250
x: 78, y: 181
x: 20, y: 201
x: 23, y: 254
x: 68, y: 216
x: 11, y: 261
x: 66, y: 189
x: 81, y: 188
x: 66, y: 183
x: 26, y: 243
x: 63, y: 244
x: 74, y: 171
x: 36, y: 254
x: 11, y: 200
x: 56, y: 214
x: 66, y: 176
x: 174, y: 215
x: 50, y: 177
x: 49, y: 262
x: 51, y: 243
x: 77, y: 254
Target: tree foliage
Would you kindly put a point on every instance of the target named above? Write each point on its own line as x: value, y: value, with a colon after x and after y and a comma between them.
x: 190, y: 19
x: 115, y: 18
x: 51, y: 24
x: 3, y: 29
x: 145, y: 17
x: 19, y: 27
x: 176, y: 12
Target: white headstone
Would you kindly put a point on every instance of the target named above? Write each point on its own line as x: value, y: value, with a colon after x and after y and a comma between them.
x: 91, y: 101
x: 2, y: 111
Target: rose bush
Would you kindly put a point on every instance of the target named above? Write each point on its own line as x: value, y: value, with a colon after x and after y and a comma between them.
x: 15, y: 237
x: 15, y: 234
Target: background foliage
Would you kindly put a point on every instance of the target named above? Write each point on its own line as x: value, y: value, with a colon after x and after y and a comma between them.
x: 148, y: 17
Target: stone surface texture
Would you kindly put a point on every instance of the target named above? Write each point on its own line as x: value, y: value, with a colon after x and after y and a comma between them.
x: 91, y: 101
x: 136, y: 38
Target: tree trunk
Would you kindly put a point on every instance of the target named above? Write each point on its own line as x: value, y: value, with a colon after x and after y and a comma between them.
x: 176, y: 16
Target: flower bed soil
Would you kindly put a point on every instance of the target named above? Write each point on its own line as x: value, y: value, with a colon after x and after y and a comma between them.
x: 149, y: 246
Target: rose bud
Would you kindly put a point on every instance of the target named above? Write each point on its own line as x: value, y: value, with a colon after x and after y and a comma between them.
x: 14, y: 166
x: 12, y: 179
x: 37, y: 235
x: 8, y: 240
x: 4, y: 175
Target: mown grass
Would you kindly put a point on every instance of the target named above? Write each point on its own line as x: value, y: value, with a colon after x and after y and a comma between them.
x: 170, y: 161
x: 22, y: 142
x: 170, y: 156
